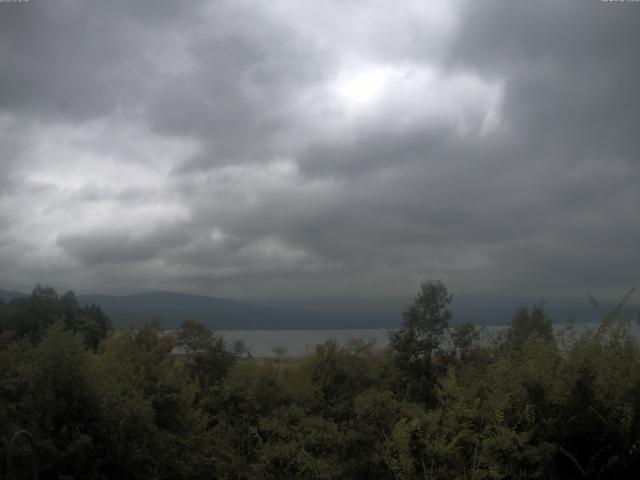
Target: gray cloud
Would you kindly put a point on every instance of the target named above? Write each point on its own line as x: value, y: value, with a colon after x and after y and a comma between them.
x: 111, y: 246
x: 74, y: 60
x: 257, y: 150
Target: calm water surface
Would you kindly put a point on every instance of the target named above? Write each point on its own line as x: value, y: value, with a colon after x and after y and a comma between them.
x: 298, y: 342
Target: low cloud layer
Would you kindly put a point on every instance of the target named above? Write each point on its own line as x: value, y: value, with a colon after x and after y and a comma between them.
x: 320, y: 149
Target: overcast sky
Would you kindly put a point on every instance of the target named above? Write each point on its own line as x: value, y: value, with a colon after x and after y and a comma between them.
x: 288, y: 148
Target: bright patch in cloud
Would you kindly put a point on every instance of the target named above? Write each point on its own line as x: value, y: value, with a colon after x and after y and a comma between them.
x: 362, y: 85
x: 415, y: 96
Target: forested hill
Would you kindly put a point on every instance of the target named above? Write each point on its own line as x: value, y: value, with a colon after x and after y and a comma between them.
x: 7, y: 295
x: 224, y: 314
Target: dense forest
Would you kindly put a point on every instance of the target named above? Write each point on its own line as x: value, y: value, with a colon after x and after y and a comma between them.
x: 438, y: 403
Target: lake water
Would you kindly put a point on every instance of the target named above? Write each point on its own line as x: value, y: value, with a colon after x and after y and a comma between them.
x: 298, y: 342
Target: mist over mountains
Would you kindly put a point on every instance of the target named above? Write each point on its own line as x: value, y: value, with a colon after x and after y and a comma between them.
x: 171, y: 308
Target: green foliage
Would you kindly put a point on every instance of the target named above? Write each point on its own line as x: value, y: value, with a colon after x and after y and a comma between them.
x: 194, y: 336
x: 336, y: 376
x: 30, y: 317
x: 205, y: 353
x: 296, y: 445
x: 418, y: 343
x: 527, y: 322
x: 464, y: 339
x: 147, y: 404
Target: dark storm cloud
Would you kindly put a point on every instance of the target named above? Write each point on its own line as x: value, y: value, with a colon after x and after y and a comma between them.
x: 236, y: 99
x: 571, y: 70
x: 569, y: 108
x: 230, y: 147
x: 117, y: 247
x: 73, y: 60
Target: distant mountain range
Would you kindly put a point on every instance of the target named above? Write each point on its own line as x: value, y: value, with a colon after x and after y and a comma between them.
x: 223, y: 314
x: 7, y: 295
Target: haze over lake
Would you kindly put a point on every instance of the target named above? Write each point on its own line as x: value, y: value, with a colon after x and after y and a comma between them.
x: 261, y: 343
